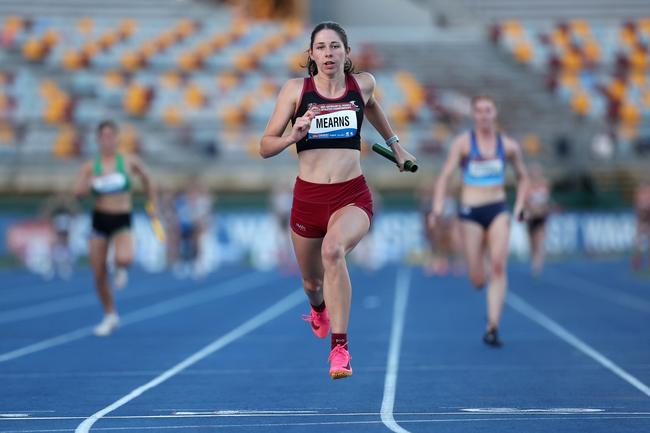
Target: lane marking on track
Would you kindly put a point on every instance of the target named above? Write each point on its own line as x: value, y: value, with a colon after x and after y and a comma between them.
x: 228, y: 288
x: 237, y: 427
x: 402, y: 286
x: 272, y: 312
x: 584, y: 286
x: 486, y: 412
x: 555, y: 328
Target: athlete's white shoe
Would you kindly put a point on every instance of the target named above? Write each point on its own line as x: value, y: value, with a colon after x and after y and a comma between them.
x: 106, y: 327
x: 121, y: 278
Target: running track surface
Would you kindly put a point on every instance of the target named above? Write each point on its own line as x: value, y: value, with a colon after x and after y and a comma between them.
x: 230, y: 353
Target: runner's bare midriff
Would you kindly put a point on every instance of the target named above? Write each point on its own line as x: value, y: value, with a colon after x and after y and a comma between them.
x: 480, y: 195
x: 114, y: 203
x: 329, y: 165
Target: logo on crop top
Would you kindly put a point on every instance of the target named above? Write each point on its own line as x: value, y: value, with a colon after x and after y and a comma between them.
x: 333, y: 120
x: 485, y: 168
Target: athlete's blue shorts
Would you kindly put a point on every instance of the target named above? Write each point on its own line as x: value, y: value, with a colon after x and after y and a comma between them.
x: 484, y: 214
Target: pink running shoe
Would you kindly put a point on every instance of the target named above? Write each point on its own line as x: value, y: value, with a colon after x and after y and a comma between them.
x: 320, y: 322
x: 340, y: 363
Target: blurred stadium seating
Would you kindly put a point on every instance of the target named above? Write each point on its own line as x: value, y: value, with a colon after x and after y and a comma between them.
x: 193, y: 82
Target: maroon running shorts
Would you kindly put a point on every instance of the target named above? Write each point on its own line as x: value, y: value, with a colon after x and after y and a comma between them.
x: 314, y: 204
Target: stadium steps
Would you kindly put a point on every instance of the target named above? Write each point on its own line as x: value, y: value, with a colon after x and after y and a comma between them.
x: 477, y: 67
x: 110, y: 8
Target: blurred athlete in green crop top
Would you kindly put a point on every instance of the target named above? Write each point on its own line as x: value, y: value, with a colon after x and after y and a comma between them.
x: 108, y: 177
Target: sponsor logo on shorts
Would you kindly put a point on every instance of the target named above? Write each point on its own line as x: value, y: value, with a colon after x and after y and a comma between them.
x: 301, y: 227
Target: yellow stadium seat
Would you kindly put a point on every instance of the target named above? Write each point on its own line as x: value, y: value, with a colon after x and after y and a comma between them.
x: 65, y: 143
x: 627, y: 36
x: 591, y: 49
x: 248, y: 103
x: 260, y: 50
x: 172, y: 116
x: 239, y: 27
x: 91, y: 49
x: 13, y: 23
x: 244, y: 62
x: 268, y: 88
x: 569, y: 79
x: 7, y: 135
x: 131, y: 61
x: 127, y: 27
x: 4, y: 102
x: 170, y: 80
x: 128, y: 141
x: 412, y: 89
x: 219, y: 41
x: 531, y: 144
x: 571, y: 61
x: 227, y: 80
x: 638, y: 79
x: 644, y: 26
x: 523, y: 52
x: 296, y: 61
x: 512, y: 28
x: 616, y: 89
x: 136, y: 100
x: 48, y: 89
x: 581, y: 103
x: 630, y: 113
x: 34, y: 49
x: 580, y: 27
x: 85, y: 26
x: 108, y: 39
x: 188, y: 61
x: 252, y: 147
x: 56, y: 109
x: 194, y: 96
x: 167, y: 39
x: 73, y: 60
x: 639, y: 60
x: 559, y: 38
x: 149, y: 49
x: 293, y: 28
x: 204, y: 49
x: 185, y: 28
x: 232, y: 116
x: 51, y: 38
x: 114, y: 79
x: 400, y: 114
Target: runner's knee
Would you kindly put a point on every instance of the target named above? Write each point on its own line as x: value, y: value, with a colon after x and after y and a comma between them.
x: 332, y: 252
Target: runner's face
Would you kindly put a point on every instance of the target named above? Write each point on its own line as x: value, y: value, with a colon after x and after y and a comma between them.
x: 328, y: 52
x: 485, y: 114
x: 107, y: 138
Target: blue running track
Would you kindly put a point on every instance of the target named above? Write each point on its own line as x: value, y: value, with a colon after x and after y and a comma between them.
x: 230, y: 353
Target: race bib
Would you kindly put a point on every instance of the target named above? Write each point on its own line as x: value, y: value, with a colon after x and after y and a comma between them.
x: 490, y: 167
x: 109, y: 183
x: 334, y: 121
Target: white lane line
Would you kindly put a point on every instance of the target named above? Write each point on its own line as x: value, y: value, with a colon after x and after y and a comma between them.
x: 231, y: 287
x: 285, y: 370
x: 274, y: 311
x: 390, y: 382
x: 537, y: 411
x: 241, y: 414
x: 536, y: 316
x: 200, y: 427
x: 579, y: 284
